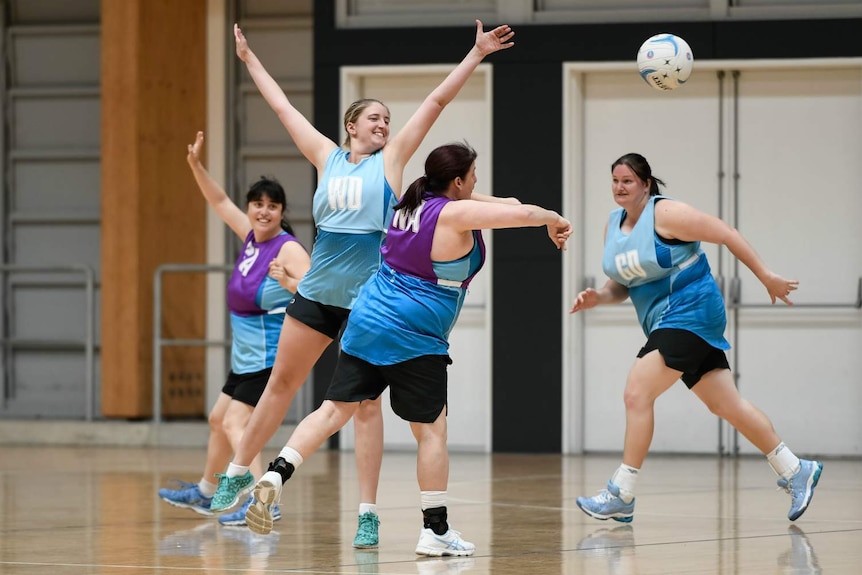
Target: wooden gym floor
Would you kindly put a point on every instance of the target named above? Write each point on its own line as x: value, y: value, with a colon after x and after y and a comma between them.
x: 76, y: 511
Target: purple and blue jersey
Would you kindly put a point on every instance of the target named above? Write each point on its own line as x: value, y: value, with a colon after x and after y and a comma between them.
x: 409, y: 307
x: 256, y: 303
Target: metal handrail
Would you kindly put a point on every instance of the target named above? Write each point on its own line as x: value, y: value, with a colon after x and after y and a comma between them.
x: 736, y: 289
x: 89, y: 323
x: 159, y: 342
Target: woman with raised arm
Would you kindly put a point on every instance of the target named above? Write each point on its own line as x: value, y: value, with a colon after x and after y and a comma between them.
x: 264, y: 280
x: 357, y: 186
x: 398, y: 334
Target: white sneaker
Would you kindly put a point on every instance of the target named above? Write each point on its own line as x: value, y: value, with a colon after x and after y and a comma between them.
x: 447, y: 566
x: 267, y: 492
x: 450, y: 543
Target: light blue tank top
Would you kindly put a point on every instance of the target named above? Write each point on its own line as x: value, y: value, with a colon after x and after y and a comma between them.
x: 670, y: 284
x: 352, y: 207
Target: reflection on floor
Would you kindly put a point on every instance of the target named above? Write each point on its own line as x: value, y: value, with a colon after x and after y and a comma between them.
x: 75, y: 511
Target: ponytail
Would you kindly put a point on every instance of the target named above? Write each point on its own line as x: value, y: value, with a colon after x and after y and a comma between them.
x: 442, y: 166
x: 411, y: 198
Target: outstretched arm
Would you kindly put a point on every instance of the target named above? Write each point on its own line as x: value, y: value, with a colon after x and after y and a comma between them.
x: 610, y: 293
x: 494, y: 199
x: 228, y: 211
x: 465, y: 215
x: 676, y: 220
x: 313, y: 145
x: 402, y: 147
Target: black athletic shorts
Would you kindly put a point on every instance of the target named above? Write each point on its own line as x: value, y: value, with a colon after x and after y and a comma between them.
x: 327, y: 319
x: 246, y: 387
x: 417, y: 387
x: 686, y: 352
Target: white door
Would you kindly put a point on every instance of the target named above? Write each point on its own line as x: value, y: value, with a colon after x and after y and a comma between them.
x: 468, y: 118
x: 799, y: 204
x: 678, y: 133
x: 775, y: 155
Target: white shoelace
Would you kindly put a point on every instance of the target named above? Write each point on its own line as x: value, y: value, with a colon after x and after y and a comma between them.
x: 604, y: 496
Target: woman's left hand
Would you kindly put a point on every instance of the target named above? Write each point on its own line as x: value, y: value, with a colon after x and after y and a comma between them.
x: 277, y: 271
x: 559, y: 232
x: 779, y: 287
x: 495, y: 40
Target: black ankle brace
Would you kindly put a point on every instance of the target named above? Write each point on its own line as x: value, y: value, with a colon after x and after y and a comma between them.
x: 435, y: 520
x: 282, y: 467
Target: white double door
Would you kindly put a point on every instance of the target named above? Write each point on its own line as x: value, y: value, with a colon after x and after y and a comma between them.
x: 467, y: 117
x: 774, y: 151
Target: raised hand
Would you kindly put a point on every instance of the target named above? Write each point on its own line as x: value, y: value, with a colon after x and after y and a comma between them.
x: 495, y: 40
x: 194, y: 154
x: 242, y: 49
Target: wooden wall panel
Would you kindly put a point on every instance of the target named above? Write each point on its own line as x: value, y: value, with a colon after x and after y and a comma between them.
x: 153, y: 102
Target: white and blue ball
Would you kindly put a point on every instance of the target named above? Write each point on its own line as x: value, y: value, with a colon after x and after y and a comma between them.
x: 665, y: 61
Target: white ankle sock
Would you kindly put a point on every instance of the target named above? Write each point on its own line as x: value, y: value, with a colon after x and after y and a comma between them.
x: 625, y: 477
x: 292, y: 456
x: 783, y: 462
x: 432, y: 499
x: 207, y: 488
x: 367, y: 508
x: 234, y: 470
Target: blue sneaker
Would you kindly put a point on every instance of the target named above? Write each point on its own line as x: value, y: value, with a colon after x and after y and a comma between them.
x: 801, y: 487
x: 230, y: 489
x: 366, y: 533
x: 608, y: 505
x: 800, y: 558
x: 188, y: 496
x: 237, y: 518
x: 609, y: 542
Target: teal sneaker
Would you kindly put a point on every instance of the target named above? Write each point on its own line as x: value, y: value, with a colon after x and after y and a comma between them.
x: 608, y: 505
x: 230, y: 489
x: 366, y: 533
x: 367, y: 561
x: 801, y: 487
x: 188, y: 496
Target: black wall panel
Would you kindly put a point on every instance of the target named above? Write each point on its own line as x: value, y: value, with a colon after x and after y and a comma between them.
x: 527, y: 139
